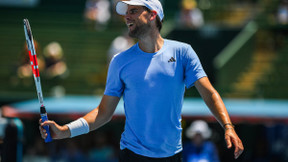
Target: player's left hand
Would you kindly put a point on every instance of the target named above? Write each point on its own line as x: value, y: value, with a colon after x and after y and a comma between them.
x: 232, y: 138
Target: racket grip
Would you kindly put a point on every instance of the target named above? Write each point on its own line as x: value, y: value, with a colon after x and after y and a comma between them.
x: 45, y: 118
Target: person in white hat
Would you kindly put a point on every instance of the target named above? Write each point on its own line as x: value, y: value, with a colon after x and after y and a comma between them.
x: 199, y: 148
x: 151, y: 76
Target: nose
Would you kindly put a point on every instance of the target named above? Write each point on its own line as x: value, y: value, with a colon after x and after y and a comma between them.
x: 127, y: 16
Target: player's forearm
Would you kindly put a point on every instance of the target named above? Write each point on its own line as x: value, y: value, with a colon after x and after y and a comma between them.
x: 213, y: 100
x: 103, y: 113
x: 217, y: 107
x: 97, y: 118
x: 91, y: 121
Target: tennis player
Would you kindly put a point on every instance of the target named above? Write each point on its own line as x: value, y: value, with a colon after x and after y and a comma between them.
x: 151, y: 77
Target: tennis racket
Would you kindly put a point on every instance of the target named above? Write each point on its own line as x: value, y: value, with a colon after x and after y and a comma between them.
x: 36, y: 74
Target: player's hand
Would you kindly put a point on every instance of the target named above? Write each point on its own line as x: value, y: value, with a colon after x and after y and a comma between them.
x: 232, y: 138
x: 57, y: 131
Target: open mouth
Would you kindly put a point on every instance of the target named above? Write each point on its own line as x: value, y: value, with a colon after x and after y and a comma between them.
x: 129, y: 24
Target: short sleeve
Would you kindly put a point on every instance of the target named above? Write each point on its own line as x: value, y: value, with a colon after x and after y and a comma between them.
x: 114, y: 85
x: 193, y: 68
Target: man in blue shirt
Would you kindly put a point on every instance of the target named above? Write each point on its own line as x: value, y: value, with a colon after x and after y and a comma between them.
x: 199, y: 147
x: 151, y: 77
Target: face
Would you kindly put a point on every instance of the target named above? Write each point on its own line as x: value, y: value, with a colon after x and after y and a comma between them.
x: 137, y: 21
x: 198, y: 139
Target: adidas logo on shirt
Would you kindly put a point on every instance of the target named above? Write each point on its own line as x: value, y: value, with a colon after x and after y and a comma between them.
x: 172, y: 59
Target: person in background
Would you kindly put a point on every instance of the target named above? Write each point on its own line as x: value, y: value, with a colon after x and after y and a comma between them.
x: 199, y: 148
x: 190, y: 16
x: 282, y: 12
x: 56, y: 69
x: 120, y: 44
x: 98, y: 13
x: 55, y: 65
x: 23, y: 75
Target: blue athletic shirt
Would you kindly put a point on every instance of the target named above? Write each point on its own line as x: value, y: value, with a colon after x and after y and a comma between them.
x: 153, y: 86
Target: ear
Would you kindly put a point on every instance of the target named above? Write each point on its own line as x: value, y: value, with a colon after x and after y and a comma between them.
x: 153, y: 15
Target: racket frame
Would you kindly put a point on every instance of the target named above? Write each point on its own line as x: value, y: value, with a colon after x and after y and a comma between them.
x: 36, y: 75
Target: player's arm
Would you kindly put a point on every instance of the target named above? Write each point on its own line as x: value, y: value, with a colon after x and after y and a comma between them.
x: 103, y: 114
x: 215, y: 103
x: 95, y: 119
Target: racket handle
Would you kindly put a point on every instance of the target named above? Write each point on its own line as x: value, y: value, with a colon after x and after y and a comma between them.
x: 45, y: 118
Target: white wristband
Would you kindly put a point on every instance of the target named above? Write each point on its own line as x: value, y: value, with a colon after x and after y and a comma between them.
x: 78, y: 127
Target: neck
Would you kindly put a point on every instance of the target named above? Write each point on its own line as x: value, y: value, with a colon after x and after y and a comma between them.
x: 151, y: 43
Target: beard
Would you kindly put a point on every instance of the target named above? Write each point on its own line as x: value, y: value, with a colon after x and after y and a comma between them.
x: 139, y: 31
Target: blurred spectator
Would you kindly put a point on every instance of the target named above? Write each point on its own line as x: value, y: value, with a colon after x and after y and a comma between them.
x: 119, y: 44
x: 282, y: 13
x: 52, y: 64
x: 190, y: 16
x: 24, y: 71
x: 98, y: 13
x: 199, y: 148
x: 3, y: 125
x: 277, y: 137
x: 9, y: 148
x: 55, y: 65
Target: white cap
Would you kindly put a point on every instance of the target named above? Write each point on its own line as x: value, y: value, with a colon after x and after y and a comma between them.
x: 154, y: 5
x: 200, y: 127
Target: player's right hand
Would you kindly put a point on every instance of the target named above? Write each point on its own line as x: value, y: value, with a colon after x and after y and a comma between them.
x: 57, y: 131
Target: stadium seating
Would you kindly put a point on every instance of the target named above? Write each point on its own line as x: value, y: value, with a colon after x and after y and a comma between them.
x: 85, y: 50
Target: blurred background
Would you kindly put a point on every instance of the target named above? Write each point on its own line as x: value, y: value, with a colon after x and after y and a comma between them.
x: 242, y: 45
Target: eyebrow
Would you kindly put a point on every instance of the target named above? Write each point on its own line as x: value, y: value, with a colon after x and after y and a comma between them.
x: 133, y: 9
